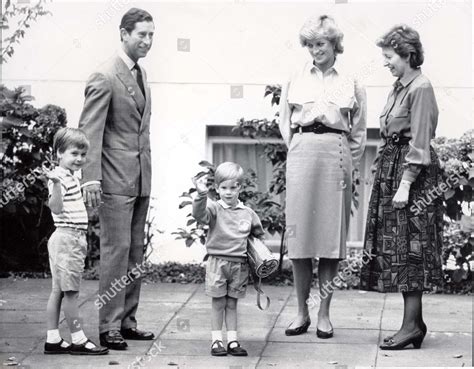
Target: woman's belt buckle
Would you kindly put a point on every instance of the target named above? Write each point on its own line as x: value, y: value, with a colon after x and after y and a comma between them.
x: 395, y: 137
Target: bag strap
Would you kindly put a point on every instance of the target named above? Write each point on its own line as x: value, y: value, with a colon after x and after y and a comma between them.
x: 260, y: 291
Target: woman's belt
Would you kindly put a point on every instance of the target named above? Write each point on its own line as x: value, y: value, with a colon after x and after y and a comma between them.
x: 316, y: 128
x: 396, y: 139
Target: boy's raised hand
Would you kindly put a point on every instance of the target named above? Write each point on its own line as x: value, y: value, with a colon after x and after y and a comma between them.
x: 200, y: 182
x: 53, y: 175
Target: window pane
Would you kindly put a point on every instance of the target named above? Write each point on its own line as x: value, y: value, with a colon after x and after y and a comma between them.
x: 249, y: 156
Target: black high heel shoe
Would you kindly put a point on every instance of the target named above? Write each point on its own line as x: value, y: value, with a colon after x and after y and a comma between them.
x: 416, y: 339
x: 423, y: 328
x: 298, y: 330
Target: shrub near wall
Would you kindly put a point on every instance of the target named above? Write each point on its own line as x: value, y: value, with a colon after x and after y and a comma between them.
x: 26, y: 151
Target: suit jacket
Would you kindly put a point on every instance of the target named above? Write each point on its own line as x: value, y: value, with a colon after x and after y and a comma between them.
x: 116, y: 120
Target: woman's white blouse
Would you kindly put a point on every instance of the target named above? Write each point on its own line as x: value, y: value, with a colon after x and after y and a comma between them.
x: 334, y: 98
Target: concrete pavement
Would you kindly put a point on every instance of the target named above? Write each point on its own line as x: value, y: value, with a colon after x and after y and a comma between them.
x: 179, y: 316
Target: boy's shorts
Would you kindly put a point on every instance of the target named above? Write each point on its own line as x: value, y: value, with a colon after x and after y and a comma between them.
x: 67, y: 248
x: 226, y: 278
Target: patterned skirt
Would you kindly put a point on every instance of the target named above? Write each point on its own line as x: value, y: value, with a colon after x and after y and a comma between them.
x: 403, y: 246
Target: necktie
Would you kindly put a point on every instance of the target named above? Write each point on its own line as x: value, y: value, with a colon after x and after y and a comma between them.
x: 139, y: 78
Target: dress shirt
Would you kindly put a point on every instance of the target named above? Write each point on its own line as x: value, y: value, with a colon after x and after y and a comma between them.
x: 411, y: 111
x: 334, y: 98
x: 128, y: 62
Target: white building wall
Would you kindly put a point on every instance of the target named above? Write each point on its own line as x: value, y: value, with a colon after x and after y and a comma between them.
x: 249, y: 44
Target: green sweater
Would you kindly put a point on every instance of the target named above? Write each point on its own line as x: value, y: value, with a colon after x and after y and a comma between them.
x: 229, y: 227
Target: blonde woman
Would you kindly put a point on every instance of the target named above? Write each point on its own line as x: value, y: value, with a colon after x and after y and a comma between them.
x: 323, y: 121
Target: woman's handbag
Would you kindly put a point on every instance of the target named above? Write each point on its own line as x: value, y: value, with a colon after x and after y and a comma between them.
x: 262, y: 263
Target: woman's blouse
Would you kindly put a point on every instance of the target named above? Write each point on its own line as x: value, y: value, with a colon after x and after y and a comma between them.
x: 411, y: 111
x: 333, y: 98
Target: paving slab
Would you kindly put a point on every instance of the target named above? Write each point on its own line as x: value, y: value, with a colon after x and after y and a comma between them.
x: 319, y: 355
x: 41, y: 361
x: 179, y: 315
x: 201, y: 362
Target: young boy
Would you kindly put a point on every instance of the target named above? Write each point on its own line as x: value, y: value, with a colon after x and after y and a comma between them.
x: 230, y: 224
x: 67, y: 246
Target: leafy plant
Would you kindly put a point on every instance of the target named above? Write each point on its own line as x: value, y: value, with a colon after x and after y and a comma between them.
x: 24, y: 15
x: 456, y: 158
x: 27, y: 135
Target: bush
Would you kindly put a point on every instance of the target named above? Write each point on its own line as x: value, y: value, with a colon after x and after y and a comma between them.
x: 27, y: 135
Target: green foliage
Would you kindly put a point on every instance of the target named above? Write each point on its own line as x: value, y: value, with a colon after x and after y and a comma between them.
x: 23, y: 15
x: 456, y: 159
x: 26, y: 150
x: 176, y: 273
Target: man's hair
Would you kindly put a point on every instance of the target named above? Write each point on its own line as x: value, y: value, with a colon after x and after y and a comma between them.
x: 133, y: 16
x: 66, y: 137
x: 228, y: 171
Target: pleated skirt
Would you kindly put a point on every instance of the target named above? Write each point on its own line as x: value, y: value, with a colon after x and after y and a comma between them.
x: 403, y: 246
x: 318, y: 195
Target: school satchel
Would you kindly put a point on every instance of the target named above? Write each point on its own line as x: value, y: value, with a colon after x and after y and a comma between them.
x: 262, y: 263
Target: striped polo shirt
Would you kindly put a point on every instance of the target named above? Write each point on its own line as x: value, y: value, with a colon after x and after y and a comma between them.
x: 74, y: 214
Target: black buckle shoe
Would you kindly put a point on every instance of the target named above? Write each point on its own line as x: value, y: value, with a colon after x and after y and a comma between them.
x: 136, y: 334
x: 219, y: 350
x: 56, y: 348
x: 113, y: 340
x: 83, y: 350
x: 237, y: 350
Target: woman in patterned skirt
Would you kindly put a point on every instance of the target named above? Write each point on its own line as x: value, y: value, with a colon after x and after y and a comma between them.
x: 403, y: 239
x: 322, y: 120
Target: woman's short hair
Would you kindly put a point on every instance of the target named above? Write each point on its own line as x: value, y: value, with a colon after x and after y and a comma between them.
x: 67, y: 137
x: 228, y: 171
x: 322, y: 26
x: 133, y: 16
x: 405, y: 41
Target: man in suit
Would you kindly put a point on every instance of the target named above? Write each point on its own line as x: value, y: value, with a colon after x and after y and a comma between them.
x: 116, y: 119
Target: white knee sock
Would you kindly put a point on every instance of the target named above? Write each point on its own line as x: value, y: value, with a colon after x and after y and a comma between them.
x: 53, y: 336
x: 78, y: 338
x: 216, y: 336
x: 232, y: 336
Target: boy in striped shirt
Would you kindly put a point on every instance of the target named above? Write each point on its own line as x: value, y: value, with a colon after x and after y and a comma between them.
x: 67, y: 246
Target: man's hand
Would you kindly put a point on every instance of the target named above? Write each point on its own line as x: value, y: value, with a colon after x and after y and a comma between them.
x: 200, y: 183
x: 91, y: 195
x: 400, y: 200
